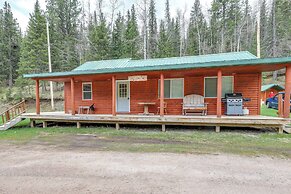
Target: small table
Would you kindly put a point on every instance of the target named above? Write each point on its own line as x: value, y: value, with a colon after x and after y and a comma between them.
x: 146, y: 107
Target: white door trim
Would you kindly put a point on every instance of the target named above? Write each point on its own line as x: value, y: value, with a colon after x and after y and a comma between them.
x: 116, y: 93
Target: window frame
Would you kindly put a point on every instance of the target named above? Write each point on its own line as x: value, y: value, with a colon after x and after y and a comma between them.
x: 159, y: 81
x: 90, y: 83
x: 216, y: 78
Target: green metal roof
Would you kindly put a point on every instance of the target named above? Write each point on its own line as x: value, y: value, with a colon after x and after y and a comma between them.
x: 269, y: 86
x: 173, y: 63
x: 128, y: 63
x: 104, y: 64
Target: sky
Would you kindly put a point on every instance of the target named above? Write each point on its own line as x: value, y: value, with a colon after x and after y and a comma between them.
x: 22, y: 8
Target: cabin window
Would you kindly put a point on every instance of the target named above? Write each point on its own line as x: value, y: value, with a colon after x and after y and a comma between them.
x: 87, y: 91
x: 174, y: 88
x: 210, y: 86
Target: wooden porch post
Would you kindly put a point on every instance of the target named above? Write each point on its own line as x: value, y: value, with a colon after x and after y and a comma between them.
x: 162, y: 96
x: 219, y: 93
x: 280, y: 105
x: 113, y: 95
x: 73, y: 96
x: 287, y: 92
x: 37, y: 100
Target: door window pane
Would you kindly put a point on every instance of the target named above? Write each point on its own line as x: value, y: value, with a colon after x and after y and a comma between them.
x: 122, y: 90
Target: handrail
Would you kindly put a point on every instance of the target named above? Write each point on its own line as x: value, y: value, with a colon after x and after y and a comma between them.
x: 13, y: 112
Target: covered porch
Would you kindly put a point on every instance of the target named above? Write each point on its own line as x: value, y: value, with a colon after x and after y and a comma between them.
x: 161, y: 88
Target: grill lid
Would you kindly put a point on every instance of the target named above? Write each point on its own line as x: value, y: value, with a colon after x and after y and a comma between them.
x: 233, y: 95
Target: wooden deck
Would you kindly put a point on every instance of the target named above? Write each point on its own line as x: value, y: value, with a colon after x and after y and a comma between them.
x: 209, y: 120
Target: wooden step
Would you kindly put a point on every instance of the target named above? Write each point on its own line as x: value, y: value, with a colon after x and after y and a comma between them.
x: 11, y: 123
x: 287, y: 129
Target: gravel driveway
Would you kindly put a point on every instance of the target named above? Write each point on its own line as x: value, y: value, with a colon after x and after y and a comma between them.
x: 35, y: 170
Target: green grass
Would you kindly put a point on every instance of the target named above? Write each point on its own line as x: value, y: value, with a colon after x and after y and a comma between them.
x: 102, y: 138
x: 204, y: 141
x: 269, y: 111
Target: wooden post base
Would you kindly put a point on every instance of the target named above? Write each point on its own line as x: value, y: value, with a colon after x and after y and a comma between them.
x: 44, y: 124
x: 32, y: 123
x: 281, y: 129
x: 117, y: 126
x: 217, y: 129
x: 163, y: 128
x: 78, y: 125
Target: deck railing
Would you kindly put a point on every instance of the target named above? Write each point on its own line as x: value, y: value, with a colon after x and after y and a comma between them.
x: 13, y: 112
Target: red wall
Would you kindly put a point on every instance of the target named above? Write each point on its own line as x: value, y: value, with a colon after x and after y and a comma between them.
x: 248, y: 84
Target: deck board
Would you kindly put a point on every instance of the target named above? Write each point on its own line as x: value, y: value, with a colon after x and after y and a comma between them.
x: 209, y: 120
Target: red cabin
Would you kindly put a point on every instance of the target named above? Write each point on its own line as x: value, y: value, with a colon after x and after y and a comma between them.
x: 158, y: 86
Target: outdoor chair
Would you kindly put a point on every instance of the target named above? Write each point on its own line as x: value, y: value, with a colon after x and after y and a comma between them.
x: 194, y: 103
x: 165, y: 108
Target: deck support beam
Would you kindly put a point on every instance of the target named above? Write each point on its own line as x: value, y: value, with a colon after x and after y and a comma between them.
x: 217, y: 129
x: 113, y: 95
x: 163, y: 128
x: 219, y: 93
x: 78, y: 125
x: 287, y: 92
x: 162, y: 95
x: 32, y: 123
x: 73, y: 96
x: 37, y: 99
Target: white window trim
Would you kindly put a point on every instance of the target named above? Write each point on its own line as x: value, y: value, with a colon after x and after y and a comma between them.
x: 87, y: 91
x: 170, y: 88
x: 216, y: 77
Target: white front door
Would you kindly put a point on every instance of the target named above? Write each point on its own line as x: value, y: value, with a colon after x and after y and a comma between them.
x: 123, y: 96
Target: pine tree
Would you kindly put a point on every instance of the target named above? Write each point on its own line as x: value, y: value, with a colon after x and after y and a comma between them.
x: 153, y: 31
x: 131, y: 36
x: 34, y: 57
x: 168, y: 16
x: 10, y: 45
x: 163, y: 44
x: 99, y: 40
x: 2, y: 46
x: 176, y: 39
x: 197, y: 30
x: 117, y: 42
x: 263, y: 28
x: 63, y: 18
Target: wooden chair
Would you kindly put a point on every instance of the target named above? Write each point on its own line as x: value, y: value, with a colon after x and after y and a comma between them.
x: 165, y: 108
x: 194, y: 103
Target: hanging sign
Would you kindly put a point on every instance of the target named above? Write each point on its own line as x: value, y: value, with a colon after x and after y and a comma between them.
x: 137, y: 78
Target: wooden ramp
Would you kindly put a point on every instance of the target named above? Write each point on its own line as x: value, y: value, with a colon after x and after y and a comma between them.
x: 12, y: 116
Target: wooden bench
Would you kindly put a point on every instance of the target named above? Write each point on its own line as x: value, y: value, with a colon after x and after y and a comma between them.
x: 194, y: 103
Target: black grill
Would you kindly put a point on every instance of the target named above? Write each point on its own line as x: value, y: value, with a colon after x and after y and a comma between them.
x: 234, y: 103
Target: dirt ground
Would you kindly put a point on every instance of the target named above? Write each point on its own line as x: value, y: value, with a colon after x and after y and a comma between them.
x: 40, y: 169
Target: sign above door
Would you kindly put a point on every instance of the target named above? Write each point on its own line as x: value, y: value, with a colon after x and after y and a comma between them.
x: 137, y: 78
